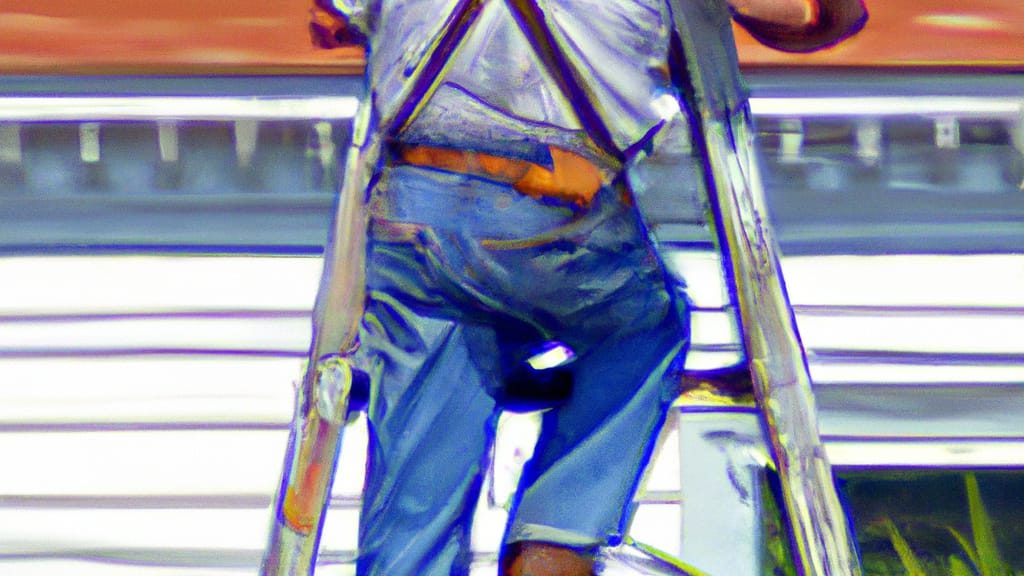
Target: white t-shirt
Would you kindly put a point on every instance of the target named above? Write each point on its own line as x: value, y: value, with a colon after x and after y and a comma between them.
x: 497, y: 96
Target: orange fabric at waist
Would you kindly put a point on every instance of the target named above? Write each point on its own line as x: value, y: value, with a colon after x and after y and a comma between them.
x: 572, y: 179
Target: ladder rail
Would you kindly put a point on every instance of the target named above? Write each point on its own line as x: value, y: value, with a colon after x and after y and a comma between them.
x: 823, y: 544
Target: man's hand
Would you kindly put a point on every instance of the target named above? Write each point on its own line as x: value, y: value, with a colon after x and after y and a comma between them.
x: 799, y: 25
x: 336, y: 24
x: 795, y: 14
x: 325, y: 28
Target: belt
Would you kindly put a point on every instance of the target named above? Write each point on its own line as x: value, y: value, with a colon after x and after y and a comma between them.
x: 572, y: 178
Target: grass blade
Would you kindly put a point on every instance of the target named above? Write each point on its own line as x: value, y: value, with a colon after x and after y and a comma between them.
x: 907, y: 556
x: 958, y: 567
x: 966, y: 545
x: 990, y: 562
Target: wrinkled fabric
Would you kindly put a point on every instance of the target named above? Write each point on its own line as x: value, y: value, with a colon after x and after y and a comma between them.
x: 460, y: 271
x: 621, y: 46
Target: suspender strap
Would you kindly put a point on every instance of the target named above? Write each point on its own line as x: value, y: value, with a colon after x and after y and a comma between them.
x: 549, y: 47
x: 546, y: 43
x: 427, y: 75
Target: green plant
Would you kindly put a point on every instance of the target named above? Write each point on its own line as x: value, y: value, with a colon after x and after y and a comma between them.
x: 989, y: 561
x: 778, y: 558
x: 910, y: 561
x: 983, y: 553
x: 957, y: 567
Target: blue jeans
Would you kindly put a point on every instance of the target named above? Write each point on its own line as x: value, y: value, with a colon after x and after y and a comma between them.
x: 457, y: 268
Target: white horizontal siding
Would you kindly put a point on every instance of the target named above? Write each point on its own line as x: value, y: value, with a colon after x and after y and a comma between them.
x: 63, y: 567
x: 153, y: 455
x: 123, y: 284
x: 59, y: 531
x: 177, y: 462
x: 147, y: 389
x: 248, y: 334
x: 992, y: 280
x: 919, y: 372
x: 901, y: 453
x: 940, y: 332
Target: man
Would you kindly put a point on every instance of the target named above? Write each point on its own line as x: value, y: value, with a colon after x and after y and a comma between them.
x: 509, y: 213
